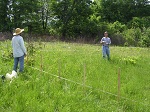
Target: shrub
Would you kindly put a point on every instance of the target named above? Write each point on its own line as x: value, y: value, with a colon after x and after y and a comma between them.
x: 132, y: 37
x: 145, y: 38
x: 117, y: 27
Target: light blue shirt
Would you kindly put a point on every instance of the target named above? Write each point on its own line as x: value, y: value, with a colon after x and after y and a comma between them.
x: 18, y: 46
x: 106, y: 41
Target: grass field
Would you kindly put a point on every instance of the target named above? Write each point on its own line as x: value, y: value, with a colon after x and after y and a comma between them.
x: 70, y: 77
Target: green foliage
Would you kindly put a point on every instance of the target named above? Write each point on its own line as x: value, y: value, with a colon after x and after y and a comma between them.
x: 117, y: 10
x: 117, y: 27
x: 124, y: 10
x: 29, y: 61
x: 145, y: 39
x: 72, y: 17
x: 137, y: 37
x: 129, y: 60
x: 4, y: 20
x: 31, y: 49
x: 6, y: 55
x: 137, y: 22
x: 79, y: 19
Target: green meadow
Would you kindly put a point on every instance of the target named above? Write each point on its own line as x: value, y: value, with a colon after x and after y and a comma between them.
x: 73, y: 77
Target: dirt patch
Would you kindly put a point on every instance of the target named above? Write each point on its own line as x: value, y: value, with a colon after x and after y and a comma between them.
x: 1, y: 36
x: 5, y: 36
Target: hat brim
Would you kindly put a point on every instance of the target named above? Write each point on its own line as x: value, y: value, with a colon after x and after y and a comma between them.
x: 18, y: 32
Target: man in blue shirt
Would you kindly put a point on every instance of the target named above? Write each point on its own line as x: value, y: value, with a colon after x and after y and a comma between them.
x: 106, y: 41
x: 19, y: 50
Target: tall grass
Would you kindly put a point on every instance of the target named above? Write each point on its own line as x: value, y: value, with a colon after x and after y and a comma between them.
x: 37, y: 91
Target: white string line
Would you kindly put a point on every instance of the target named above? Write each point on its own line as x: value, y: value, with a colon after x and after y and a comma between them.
x: 69, y: 50
x: 97, y: 89
x: 71, y: 81
x: 86, y: 85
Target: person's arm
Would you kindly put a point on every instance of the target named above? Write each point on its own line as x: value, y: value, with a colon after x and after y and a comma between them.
x: 102, y: 41
x: 23, y: 46
x: 109, y: 41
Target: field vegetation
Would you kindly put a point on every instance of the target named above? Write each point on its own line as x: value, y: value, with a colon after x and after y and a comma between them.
x: 71, y: 77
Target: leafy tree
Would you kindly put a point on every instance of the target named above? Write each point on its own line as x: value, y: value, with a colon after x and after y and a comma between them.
x: 124, y: 10
x: 138, y: 22
x: 18, y: 13
x: 71, y: 16
x: 45, y: 13
x: 24, y: 13
x: 142, y: 8
x: 4, y: 19
x: 63, y: 12
x: 145, y: 38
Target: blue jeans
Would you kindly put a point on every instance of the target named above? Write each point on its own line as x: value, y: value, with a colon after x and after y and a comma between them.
x: 106, y: 52
x: 19, y: 60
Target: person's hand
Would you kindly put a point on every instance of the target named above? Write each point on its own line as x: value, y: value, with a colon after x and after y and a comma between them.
x: 103, y: 42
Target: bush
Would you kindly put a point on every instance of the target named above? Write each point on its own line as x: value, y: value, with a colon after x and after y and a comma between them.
x: 117, y: 27
x: 137, y: 37
x: 145, y: 38
x: 132, y: 37
x: 117, y: 39
x: 137, y: 22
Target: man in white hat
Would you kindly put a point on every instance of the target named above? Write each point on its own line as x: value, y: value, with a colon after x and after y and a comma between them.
x: 19, y: 50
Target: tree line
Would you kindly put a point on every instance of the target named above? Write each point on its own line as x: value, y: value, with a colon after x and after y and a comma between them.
x: 127, y: 21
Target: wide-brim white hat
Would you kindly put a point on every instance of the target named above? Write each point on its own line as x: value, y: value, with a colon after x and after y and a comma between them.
x: 18, y: 31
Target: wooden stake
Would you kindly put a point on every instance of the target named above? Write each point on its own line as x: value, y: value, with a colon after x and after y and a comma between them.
x: 59, y: 68
x: 119, y: 84
x: 41, y: 64
x: 84, y: 78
